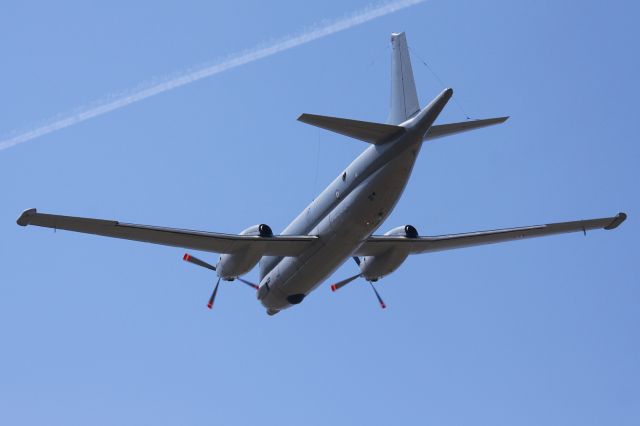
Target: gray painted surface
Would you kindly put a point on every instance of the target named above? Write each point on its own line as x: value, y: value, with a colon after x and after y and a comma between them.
x: 339, y: 223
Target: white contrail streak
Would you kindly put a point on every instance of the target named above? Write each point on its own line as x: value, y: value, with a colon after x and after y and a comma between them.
x: 325, y: 29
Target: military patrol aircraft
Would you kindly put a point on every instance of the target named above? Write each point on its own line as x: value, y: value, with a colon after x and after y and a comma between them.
x: 340, y: 222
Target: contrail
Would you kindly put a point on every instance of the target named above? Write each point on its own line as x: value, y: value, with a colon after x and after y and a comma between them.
x: 314, y: 33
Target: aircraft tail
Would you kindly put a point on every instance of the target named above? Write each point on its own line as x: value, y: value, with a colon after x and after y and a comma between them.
x: 404, y: 106
x: 404, y: 98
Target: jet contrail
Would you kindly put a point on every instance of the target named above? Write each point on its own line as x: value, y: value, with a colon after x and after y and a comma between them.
x: 319, y: 31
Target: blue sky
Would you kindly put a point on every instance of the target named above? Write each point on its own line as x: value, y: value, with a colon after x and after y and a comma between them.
x: 105, y: 331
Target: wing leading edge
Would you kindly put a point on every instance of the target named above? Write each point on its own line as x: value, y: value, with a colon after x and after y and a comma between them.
x: 377, y: 245
x: 289, y: 245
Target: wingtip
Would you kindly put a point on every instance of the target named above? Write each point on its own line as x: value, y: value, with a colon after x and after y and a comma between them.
x: 617, y: 220
x: 25, y: 217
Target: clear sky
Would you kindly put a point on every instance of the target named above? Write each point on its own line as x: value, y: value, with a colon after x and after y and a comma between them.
x: 101, y: 331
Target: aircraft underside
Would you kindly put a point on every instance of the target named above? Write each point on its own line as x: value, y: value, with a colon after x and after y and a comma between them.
x: 340, y: 222
x: 359, y: 214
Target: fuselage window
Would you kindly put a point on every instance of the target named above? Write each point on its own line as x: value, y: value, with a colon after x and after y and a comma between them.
x: 344, y: 176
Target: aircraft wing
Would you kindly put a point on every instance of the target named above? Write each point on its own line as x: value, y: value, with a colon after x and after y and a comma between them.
x: 376, y: 245
x: 285, y: 245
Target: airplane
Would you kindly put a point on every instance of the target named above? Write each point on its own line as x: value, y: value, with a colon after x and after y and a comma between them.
x: 339, y: 223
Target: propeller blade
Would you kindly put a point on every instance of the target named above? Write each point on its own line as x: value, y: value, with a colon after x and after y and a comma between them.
x: 342, y: 283
x: 249, y: 283
x: 188, y: 258
x: 213, y: 295
x: 382, y: 305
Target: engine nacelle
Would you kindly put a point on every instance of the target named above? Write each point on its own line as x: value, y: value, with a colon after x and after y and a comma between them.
x: 375, y: 267
x: 231, y: 266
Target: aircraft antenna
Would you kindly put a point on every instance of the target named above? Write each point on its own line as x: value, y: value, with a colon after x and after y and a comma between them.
x: 455, y: 100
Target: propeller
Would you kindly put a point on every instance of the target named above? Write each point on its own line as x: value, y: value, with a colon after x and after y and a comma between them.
x: 340, y: 284
x: 188, y: 258
x: 191, y: 259
x: 382, y: 305
x: 213, y: 295
x: 249, y: 283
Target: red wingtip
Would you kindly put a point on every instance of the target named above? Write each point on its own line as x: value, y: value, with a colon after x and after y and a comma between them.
x: 186, y: 257
x: 333, y: 287
x: 209, y: 305
x: 383, y: 306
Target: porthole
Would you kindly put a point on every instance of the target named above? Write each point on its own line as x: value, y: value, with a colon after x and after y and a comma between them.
x: 344, y: 176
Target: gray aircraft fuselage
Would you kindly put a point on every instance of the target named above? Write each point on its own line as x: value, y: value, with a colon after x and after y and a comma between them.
x: 346, y: 213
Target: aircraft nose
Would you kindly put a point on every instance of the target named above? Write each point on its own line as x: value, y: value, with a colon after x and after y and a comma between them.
x: 273, y: 299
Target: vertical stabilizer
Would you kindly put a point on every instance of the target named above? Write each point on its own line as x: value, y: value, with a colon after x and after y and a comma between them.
x: 404, y: 99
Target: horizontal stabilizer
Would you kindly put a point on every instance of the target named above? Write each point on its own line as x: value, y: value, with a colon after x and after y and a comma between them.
x: 375, y: 133
x: 441, y: 130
